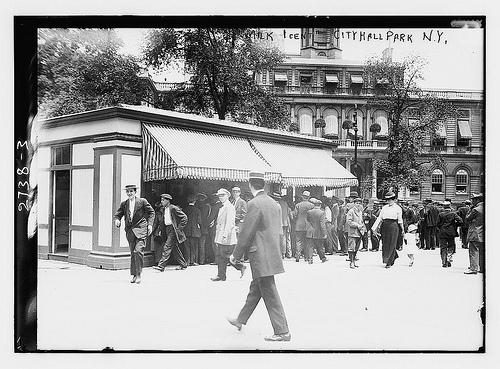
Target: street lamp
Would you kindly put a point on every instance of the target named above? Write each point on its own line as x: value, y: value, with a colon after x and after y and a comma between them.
x: 348, y: 124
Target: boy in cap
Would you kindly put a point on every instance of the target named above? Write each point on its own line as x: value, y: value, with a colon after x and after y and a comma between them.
x: 139, y: 216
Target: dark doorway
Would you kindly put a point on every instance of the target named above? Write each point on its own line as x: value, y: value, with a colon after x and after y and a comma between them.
x: 61, y: 211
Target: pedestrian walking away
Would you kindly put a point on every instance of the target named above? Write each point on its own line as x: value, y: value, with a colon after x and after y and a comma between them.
x: 169, y: 224
x: 139, y: 217
x: 390, y: 221
x: 225, y: 237
x: 316, y: 231
x: 300, y: 213
x: 447, y: 231
x: 259, y: 236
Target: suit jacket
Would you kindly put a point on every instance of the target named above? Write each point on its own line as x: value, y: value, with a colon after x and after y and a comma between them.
x: 354, y: 223
x: 448, y: 223
x: 225, y: 231
x: 432, y: 215
x: 260, y: 236
x: 193, y: 226
x: 285, y: 213
x: 316, y: 224
x: 300, y: 213
x: 204, y: 213
x: 214, y: 213
x: 179, y: 221
x: 475, y: 219
x: 348, y: 206
x: 240, y: 206
x: 143, y: 216
x: 335, y: 215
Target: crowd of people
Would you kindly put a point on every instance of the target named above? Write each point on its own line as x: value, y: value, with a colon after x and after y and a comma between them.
x: 205, y: 232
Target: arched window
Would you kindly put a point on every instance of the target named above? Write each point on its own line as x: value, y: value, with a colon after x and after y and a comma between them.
x: 437, y: 181
x: 332, y: 122
x: 380, y: 117
x: 306, y: 121
x: 461, y: 182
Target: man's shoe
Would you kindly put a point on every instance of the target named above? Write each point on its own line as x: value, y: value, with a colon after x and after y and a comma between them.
x: 470, y: 272
x: 195, y: 264
x: 235, y: 323
x: 242, y: 270
x: 160, y: 269
x: 324, y: 260
x: 279, y: 337
x: 217, y: 279
x: 133, y: 279
x: 444, y: 265
x: 181, y: 268
x: 138, y: 279
x: 448, y: 264
x: 297, y: 260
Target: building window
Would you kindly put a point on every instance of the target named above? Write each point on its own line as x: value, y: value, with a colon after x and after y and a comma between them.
x: 414, y: 190
x: 61, y: 155
x: 438, y: 140
x: 380, y: 118
x: 464, y: 132
x: 331, y: 122
x: 306, y: 121
x: 461, y: 182
x: 437, y: 181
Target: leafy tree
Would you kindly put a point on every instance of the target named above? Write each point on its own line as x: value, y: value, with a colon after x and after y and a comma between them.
x: 81, y: 69
x: 413, y: 115
x: 223, y: 64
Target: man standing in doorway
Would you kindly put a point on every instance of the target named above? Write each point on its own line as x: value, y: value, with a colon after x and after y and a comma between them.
x: 139, y: 217
x: 300, y: 214
x: 202, y: 205
x: 259, y: 236
x: 169, y: 225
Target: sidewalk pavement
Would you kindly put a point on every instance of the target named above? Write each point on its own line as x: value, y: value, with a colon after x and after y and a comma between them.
x: 328, y: 306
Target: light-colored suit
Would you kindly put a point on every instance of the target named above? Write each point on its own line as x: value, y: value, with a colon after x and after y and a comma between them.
x: 225, y: 231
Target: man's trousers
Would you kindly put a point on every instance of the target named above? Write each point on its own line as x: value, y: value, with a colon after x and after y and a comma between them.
x: 223, y: 252
x: 476, y: 256
x: 446, y: 248
x: 171, y: 249
x: 136, y: 246
x: 300, y: 236
x: 265, y: 288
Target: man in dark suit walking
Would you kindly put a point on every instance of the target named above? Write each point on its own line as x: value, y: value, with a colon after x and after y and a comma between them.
x: 139, y: 217
x: 260, y: 236
x: 169, y: 225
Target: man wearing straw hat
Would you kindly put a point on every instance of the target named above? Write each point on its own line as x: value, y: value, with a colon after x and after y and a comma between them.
x: 260, y: 236
x: 139, y: 217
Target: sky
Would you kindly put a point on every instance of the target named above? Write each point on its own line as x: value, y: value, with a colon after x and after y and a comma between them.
x: 454, y: 56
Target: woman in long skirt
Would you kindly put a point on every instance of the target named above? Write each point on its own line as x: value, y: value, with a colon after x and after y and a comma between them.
x: 390, y: 221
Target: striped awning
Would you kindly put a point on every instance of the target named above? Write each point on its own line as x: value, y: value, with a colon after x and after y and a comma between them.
x: 280, y: 77
x: 331, y: 78
x: 170, y: 153
x: 304, y: 166
x: 357, y: 79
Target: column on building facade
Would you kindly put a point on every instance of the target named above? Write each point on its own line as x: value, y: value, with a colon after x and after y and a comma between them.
x: 292, y: 113
x: 367, y: 129
x: 342, y: 118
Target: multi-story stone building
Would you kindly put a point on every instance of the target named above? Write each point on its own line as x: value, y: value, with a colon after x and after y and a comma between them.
x: 319, y: 85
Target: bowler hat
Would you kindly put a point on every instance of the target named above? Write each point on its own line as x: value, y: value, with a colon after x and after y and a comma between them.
x: 353, y: 194
x: 130, y: 187
x: 390, y: 195
x: 222, y: 191
x: 166, y: 196
x: 306, y: 194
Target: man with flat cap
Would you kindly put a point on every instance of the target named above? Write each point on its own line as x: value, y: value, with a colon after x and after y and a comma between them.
x: 259, y: 235
x: 139, y: 217
x: 169, y: 225
x: 225, y: 236
x: 475, y: 235
x: 300, y: 213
